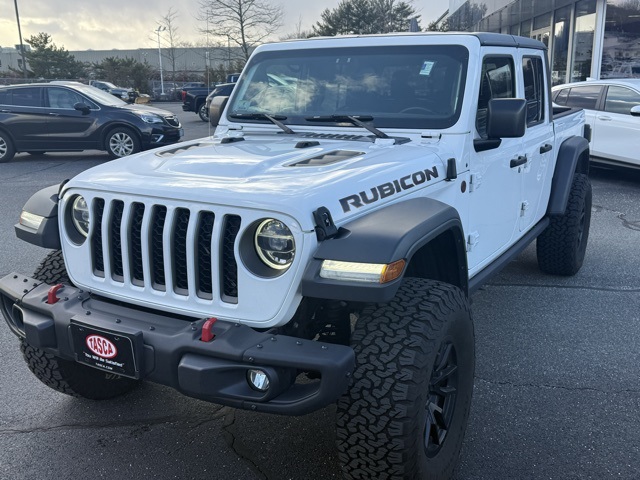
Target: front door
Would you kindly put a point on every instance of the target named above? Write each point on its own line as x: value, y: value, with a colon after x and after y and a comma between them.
x: 496, y: 187
x: 68, y: 128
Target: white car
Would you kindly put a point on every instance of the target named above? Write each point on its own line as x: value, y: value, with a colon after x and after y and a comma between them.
x: 612, y: 108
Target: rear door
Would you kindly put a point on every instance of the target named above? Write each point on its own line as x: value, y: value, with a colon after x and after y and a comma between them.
x: 538, y: 142
x: 25, y: 118
x: 618, y: 133
x: 68, y: 128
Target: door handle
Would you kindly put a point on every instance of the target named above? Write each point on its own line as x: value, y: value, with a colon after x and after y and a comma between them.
x: 54, y: 114
x: 519, y: 160
x: 5, y: 111
x: 547, y: 147
x: 604, y: 118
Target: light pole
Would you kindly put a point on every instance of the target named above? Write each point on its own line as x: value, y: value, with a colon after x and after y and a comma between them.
x: 24, y: 62
x: 158, y: 30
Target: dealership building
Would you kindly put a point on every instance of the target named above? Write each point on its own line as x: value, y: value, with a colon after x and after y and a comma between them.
x: 586, y: 38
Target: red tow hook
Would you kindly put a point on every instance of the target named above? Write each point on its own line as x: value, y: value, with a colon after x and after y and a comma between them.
x: 207, y: 333
x: 52, y: 295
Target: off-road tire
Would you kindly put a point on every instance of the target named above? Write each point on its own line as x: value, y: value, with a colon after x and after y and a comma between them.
x: 561, y: 247
x: 404, y: 350
x: 7, y: 150
x: 203, y: 112
x: 63, y: 375
x: 121, y: 142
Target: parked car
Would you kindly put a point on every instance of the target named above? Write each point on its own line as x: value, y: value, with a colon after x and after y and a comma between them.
x: 70, y: 116
x: 222, y: 90
x: 166, y: 91
x: 127, y: 94
x: 612, y: 109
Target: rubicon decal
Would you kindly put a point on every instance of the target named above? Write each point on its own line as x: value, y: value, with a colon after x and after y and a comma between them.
x: 387, y: 189
x: 101, y: 346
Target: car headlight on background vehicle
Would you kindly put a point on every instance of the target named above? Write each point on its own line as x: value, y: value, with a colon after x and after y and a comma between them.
x: 150, y: 118
x: 80, y: 215
x: 275, y: 244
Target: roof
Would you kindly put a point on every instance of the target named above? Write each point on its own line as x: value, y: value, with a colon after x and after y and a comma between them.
x: 628, y: 82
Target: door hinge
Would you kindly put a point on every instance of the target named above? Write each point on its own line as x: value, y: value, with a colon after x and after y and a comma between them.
x: 472, y: 240
x: 474, y: 182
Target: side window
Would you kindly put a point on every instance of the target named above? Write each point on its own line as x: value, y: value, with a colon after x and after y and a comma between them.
x: 5, y: 96
x: 561, y: 96
x: 532, y: 70
x: 621, y: 100
x: 497, y: 82
x: 584, y: 97
x: 62, y: 98
x: 27, y: 97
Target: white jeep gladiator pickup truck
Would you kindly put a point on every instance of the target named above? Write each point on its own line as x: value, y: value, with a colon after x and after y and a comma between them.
x: 321, y: 246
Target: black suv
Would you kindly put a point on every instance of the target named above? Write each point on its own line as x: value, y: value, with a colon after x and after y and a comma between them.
x: 71, y: 116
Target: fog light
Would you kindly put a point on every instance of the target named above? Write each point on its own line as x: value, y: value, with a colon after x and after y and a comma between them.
x: 258, y: 380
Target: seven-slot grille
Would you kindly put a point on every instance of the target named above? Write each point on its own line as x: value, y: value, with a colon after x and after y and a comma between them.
x: 165, y: 248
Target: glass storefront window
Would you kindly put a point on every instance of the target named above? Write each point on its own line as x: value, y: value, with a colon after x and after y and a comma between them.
x: 621, y: 46
x: 583, y: 40
x: 560, y: 46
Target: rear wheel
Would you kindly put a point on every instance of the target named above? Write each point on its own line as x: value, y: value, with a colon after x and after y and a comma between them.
x: 7, y: 150
x: 405, y: 415
x: 561, y: 247
x: 121, y: 142
x: 67, y: 376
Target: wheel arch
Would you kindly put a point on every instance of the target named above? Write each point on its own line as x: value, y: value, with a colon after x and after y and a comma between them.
x: 426, y: 233
x: 108, y: 128
x: 573, y: 157
x: 43, y: 203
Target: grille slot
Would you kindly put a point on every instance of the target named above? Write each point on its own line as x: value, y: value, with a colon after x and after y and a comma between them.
x: 157, y: 249
x: 203, y: 255
x: 96, y: 238
x: 229, y: 264
x: 179, y: 257
x: 135, y: 257
x: 117, y: 272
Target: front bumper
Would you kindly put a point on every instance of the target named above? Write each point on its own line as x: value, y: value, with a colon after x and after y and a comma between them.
x: 170, y: 350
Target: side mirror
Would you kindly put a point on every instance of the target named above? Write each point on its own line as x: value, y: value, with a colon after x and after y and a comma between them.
x: 216, y: 108
x: 635, y: 111
x: 83, y: 107
x: 506, y: 118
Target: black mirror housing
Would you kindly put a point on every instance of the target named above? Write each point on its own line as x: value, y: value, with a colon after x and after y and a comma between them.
x: 506, y: 118
x: 216, y: 108
x: 635, y: 111
x: 83, y: 107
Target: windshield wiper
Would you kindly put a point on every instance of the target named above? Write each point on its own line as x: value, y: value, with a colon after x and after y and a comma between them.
x: 353, y: 119
x: 275, y: 119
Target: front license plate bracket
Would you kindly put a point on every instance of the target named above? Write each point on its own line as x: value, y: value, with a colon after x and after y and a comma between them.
x: 120, y: 353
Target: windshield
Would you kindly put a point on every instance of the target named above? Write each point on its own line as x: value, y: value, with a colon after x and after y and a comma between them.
x: 400, y: 86
x: 100, y: 96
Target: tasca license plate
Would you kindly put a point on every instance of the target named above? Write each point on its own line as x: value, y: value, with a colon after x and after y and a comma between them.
x: 112, y: 352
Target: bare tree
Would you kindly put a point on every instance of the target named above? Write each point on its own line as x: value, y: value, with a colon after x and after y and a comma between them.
x: 298, y: 32
x: 242, y: 23
x: 172, y: 37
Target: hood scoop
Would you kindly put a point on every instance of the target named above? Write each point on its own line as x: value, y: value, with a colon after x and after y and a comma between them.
x: 328, y: 158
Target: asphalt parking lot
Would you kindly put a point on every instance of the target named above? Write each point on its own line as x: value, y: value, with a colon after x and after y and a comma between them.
x: 557, y: 388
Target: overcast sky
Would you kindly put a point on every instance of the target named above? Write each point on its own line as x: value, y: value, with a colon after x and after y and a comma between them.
x: 124, y: 24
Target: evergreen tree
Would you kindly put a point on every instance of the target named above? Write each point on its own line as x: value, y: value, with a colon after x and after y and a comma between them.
x: 46, y: 60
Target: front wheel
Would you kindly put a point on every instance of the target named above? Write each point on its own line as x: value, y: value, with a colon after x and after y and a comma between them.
x: 203, y: 112
x: 7, y: 150
x: 405, y: 415
x: 67, y: 376
x: 121, y: 142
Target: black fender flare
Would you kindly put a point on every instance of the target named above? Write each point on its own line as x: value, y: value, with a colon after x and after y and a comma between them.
x: 384, y: 236
x: 567, y: 163
x: 43, y: 203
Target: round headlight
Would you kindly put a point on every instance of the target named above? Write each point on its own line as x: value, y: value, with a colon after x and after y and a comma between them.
x: 275, y: 244
x: 80, y: 215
